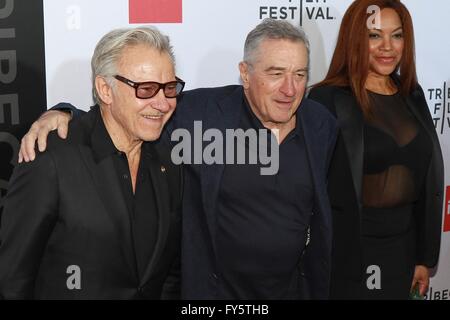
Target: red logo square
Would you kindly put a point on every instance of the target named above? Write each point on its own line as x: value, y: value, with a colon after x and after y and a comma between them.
x: 447, y: 211
x: 155, y: 11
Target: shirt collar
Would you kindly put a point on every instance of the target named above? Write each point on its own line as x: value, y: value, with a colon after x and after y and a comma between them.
x: 102, y: 144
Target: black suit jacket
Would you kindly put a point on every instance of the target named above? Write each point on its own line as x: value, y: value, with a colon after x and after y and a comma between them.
x: 66, y: 209
x: 345, y: 183
x: 220, y: 108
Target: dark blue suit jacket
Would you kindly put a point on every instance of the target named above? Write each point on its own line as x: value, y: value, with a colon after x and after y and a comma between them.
x: 220, y: 108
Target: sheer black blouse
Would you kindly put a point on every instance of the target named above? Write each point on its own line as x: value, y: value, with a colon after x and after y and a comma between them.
x: 397, y: 152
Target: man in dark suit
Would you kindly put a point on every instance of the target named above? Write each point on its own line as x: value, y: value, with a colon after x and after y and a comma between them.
x: 97, y: 217
x: 247, y: 235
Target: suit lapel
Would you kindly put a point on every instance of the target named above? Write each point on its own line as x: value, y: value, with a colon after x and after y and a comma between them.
x: 421, y: 118
x: 221, y: 115
x: 350, y: 120
x: 103, y: 174
x: 316, y: 152
x: 161, y: 188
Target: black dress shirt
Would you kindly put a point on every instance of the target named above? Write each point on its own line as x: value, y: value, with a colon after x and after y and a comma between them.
x: 142, y: 209
x: 263, y: 220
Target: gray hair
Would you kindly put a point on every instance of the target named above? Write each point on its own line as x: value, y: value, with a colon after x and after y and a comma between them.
x: 109, y: 49
x: 272, y: 29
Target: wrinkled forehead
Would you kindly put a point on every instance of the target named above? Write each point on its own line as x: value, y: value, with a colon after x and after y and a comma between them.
x: 145, y: 59
x: 281, y: 51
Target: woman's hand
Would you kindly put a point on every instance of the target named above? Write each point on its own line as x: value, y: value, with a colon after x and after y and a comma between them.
x: 421, y: 278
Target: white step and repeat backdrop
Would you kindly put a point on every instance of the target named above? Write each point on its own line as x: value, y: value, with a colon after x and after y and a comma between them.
x: 208, y: 37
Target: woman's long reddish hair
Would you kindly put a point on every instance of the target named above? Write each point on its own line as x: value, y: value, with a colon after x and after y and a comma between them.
x: 350, y: 63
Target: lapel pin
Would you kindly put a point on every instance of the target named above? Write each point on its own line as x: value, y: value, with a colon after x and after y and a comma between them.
x: 163, y: 169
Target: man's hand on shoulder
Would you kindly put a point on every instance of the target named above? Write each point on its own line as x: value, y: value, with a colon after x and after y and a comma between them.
x: 49, y: 121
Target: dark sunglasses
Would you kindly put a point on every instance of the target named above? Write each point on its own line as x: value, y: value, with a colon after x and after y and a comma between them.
x: 149, y: 89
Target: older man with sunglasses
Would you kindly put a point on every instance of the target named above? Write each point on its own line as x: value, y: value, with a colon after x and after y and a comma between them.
x: 98, y: 218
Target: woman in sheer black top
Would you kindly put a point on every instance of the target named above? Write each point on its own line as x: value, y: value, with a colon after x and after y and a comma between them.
x: 386, y: 177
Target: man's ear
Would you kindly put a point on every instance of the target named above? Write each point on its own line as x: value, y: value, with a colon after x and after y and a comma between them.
x: 104, y: 90
x: 244, y: 71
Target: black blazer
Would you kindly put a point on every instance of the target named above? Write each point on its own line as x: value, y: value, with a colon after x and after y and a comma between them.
x: 345, y: 182
x: 66, y: 208
x: 220, y: 108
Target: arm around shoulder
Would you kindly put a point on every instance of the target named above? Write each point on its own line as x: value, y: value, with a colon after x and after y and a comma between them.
x: 68, y: 107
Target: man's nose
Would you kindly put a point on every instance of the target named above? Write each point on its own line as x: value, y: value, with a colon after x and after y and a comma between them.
x: 160, y: 102
x: 288, y: 86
